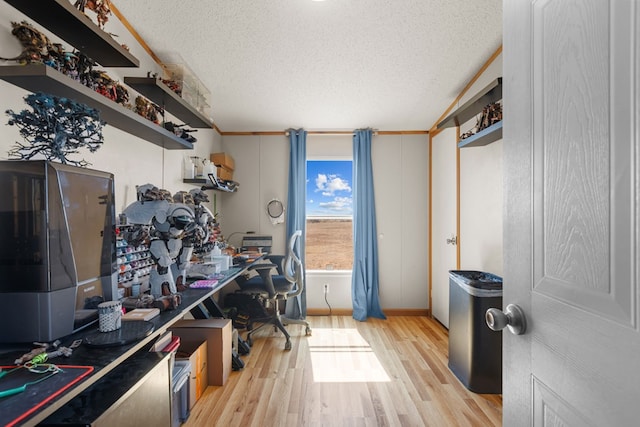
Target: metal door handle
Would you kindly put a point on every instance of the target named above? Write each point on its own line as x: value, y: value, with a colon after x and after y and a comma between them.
x: 512, y: 318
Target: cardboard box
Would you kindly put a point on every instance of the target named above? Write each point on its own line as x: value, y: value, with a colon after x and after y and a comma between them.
x: 195, y: 352
x: 223, y: 160
x: 217, y: 333
x: 224, y: 173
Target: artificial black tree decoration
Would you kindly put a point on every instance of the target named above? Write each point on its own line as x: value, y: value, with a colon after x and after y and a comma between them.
x: 56, y: 128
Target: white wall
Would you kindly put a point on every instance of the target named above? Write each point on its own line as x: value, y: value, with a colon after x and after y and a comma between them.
x: 401, y: 180
x: 401, y: 186
x: 132, y: 160
x: 261, y: 168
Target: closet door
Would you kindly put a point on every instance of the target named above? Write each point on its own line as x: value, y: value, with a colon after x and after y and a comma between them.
x: 444, y: 220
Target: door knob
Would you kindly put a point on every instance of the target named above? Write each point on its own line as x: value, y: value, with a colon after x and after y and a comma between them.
x: 512, y: 318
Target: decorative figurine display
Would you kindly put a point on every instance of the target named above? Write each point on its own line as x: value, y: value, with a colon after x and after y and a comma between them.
x: 174, y: 231
x: 490, y: 115
x: 148, y: 109
x: 56, y: 128
x: 174, y: 85
x: 35, y: 45
x: 180, y: 131
x: 102, y: 8
x: 37, y: 48
x: 205, y: 218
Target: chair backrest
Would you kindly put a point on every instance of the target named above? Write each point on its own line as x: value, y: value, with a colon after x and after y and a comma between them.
x: 293, y: 269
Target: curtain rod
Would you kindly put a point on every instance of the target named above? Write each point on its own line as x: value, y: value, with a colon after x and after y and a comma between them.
x: 331, y: 132
x: 318, y: 132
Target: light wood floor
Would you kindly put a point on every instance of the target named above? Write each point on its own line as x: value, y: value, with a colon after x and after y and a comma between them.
x: 376, y: 373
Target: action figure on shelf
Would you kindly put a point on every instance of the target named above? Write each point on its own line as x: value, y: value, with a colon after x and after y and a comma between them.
x: 173, y: 231
x: 205, y: 218
x: 102, y: 8
x: 180, y: 131
x: 148, y: 109
x: 35, y: 45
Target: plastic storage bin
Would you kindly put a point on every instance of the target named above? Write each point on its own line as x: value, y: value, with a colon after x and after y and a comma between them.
x: 475, y: 351
x: 180, y: 395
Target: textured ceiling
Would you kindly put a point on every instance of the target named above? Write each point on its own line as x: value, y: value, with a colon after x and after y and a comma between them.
x: 324, y: 65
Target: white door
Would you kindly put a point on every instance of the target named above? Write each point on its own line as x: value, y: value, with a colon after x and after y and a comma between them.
x: 572, y: 235
x: 443, y: 220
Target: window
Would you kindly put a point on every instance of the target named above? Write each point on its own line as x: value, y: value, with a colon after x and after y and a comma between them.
x: 329, y: 239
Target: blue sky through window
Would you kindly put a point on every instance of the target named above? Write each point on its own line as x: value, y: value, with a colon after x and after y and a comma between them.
x: 329, y: 188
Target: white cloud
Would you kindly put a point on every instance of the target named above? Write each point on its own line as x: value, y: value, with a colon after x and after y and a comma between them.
x: 338, y: 204
x: 329, y: 184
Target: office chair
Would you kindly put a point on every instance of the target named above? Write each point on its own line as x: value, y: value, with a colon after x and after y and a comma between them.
x: 288, y: 282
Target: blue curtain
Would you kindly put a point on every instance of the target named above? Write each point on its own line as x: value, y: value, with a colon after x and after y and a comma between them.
x: 296, y: 214
x: 364, y: 280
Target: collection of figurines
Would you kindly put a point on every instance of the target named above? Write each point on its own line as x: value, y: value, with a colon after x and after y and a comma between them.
x: 37, y: 48
x: 491, y: 114
x: 174, y: 227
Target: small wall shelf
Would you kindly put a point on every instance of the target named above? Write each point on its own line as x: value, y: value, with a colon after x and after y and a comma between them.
x: 67, y: 22
x: 484, y: 137
x: 207, y: 185
x: 41, y: 78
x: 158, y: 92
x: 491, y: 93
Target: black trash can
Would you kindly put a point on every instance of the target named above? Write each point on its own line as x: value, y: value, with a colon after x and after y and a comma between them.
x: 475, y: 351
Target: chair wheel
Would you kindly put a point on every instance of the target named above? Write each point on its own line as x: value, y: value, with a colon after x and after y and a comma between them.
x: 307, y: 331
x: 287, y: 345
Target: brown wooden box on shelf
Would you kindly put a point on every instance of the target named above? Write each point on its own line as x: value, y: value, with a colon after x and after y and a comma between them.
x: 195, y: 352
x: 224, y: 173
x: 223, y: 160
x: 217, y: 333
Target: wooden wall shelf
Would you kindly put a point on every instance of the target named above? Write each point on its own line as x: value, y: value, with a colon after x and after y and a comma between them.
x: 484, y: 137
x: 491, y: 93
x: 41, y: 78
x: 158, y: 92
x: 63, y: 19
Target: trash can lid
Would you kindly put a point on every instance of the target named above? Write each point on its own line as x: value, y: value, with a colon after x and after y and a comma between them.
x: 477, y: 279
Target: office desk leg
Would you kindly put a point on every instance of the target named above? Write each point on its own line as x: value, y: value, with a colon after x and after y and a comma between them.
x: 213, y: 307
x: 208, y: 308
x: 199, y: 312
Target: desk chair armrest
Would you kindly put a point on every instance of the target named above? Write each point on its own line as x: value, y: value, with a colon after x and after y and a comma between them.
x: 262, y: 266
x: 264, y: 270
x: 243, y: 278
x: 267, y: 278
x: 278, y: 260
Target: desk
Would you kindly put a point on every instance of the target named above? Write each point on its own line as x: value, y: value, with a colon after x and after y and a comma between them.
x: 106, y: 360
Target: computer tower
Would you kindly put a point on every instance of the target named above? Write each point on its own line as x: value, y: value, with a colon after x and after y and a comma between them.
x: 57, y: 258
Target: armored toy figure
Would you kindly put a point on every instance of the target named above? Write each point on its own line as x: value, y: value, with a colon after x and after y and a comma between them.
x: 173, y: 231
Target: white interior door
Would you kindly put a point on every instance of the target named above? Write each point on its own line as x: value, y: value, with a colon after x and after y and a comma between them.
x: 572, y: 149
x: 443, y: 220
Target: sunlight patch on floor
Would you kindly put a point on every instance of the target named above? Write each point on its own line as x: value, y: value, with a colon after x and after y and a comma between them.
x: 342, y: 355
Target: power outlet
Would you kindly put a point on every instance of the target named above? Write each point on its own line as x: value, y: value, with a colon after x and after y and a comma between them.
x: 326, y: 288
